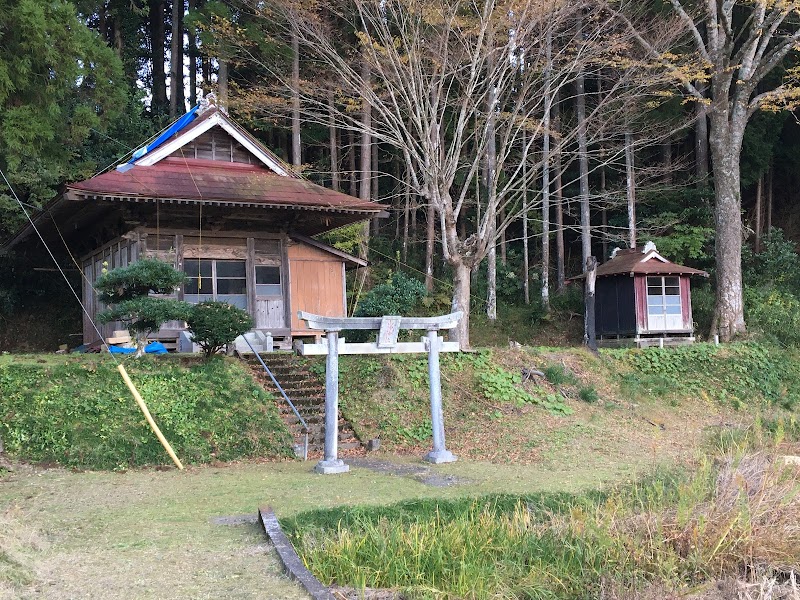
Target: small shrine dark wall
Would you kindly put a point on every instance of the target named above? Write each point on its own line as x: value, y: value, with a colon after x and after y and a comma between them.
x: 615, y: 306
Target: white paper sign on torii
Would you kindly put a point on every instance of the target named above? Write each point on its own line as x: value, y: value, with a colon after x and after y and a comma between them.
x: 388, y: 328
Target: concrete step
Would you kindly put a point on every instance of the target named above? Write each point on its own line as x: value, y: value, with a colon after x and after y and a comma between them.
x: 306, y: 390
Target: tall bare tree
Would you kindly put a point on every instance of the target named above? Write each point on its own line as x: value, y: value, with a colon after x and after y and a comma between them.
x: 433, y: 66
x: 737, y: 44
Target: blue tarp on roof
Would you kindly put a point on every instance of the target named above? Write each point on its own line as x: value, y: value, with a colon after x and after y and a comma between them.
x: 168, y: 133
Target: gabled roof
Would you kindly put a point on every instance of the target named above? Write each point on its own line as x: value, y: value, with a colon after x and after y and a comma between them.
x: 636, y: 261
x: 192, y: 125
x: 161, y: 171
x: 200, y: 181
x: 349, y: 259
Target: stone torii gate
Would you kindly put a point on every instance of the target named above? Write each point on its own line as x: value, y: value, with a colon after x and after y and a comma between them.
x: 389, y: 327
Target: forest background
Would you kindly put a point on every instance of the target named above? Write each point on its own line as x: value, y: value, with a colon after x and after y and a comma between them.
x: 510, y: 140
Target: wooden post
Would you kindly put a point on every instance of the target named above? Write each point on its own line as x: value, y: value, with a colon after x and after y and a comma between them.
x: 591, y: 277
x: 439, y: 454
x: 331, y: 463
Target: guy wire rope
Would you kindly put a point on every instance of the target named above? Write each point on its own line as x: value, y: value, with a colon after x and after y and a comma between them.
x: 120, y: 367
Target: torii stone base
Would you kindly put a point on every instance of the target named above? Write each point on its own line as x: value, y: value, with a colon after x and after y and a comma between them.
x: 331, y: 467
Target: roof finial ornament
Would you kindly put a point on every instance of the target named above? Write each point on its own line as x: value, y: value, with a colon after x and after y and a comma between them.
x: 650, y: 246
x: 207, y: 102
x: 615, y: 251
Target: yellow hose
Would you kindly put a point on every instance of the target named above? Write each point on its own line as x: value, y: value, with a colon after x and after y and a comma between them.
x: 150, y: 421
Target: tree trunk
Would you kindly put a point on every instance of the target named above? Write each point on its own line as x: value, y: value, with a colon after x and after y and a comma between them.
x: 192, y: 61
x: 491, y: 273
x: 157, y: 18
x: 489, y: 175
x: 583, y: 162
x: 351, y: 162
x: 726, y: 144
x: 365, y: 188
x: 297, y: 151
x: 176, y: 97
x: 701, y: 138
x: 365, y: 184
x: 545, y: 176
x: 526, y: 266
x: 375, y: 181
x: 545, y: 209
x: 759, y: 211
x: 430, y: 236
x: 205, y: 71
x: 222, y: 84
x: 630, y: 188
x: 461, y: 297
x: 559, y: 192
x: 406, y: 214
x: 604, y: 212
x: 334, y: 142
x: 769, y: 200
x: 590, y: 328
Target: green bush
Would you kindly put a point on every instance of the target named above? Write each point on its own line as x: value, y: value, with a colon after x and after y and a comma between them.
x: 772, y: 289
x: 139, y: 279
x: 775, y: 313
x: 77, y: 412
x: 737, y: 374
x: 399, y: 296
x: 128, y: 289
x: 145, y: 314
x: 214, y: 325
x: 588, y: 394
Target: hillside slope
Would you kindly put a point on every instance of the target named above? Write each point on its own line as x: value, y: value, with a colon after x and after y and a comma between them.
x: 568, y: 405
x: 76, y: 411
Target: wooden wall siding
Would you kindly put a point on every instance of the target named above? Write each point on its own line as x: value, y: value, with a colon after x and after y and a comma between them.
x: 640, y: 286
x: 312, y: 279
x: 119, y: 253
x: 215, y: 247
x: 215, y: 144
x: 270, y: 314
x: 686, y: 302
x: 316, y: 283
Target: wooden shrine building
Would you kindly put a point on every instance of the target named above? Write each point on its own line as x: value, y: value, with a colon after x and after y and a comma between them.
x: 644, y: 299
x: 207, y: 197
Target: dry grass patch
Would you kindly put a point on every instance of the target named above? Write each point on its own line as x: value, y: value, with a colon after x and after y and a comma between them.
x: 17, y: 541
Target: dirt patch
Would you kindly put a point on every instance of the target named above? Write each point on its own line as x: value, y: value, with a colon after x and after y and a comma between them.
x: 420, y: 473
x: 347, y: 593
x: 235, y: 520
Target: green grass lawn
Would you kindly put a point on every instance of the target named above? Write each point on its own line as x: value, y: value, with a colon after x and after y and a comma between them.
x: 149, y: 533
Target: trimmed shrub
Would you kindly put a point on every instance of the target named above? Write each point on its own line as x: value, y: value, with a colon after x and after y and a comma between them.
x: 214, y: 325
x: 139, y: 279
x: 127, y: 290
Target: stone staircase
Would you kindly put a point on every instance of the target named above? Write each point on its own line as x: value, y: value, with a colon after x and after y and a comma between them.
x: 306, y: 390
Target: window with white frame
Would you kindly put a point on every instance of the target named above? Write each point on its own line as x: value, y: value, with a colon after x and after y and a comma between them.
x: 664, y: 311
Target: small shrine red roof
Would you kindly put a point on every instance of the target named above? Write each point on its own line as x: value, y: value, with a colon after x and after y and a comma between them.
x: 637, y: 261
x: 215, y: 182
